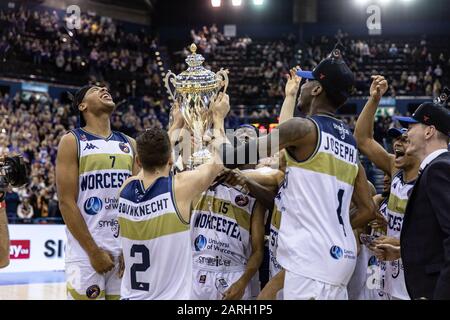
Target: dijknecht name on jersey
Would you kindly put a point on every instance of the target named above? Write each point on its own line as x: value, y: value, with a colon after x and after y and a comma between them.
x: 144, y: 209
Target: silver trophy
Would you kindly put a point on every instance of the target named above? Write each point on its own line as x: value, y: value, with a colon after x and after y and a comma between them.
x: 195, y: 88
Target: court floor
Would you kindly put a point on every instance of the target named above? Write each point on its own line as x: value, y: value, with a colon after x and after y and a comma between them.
x: 33, y: 286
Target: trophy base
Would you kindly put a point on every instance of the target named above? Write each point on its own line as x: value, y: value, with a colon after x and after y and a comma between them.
x: 199, y: 158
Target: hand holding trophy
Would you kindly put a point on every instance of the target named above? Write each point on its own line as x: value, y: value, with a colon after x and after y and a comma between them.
x: 195, y: 89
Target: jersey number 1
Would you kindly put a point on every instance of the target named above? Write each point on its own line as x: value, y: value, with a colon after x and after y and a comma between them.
x: 339, y: 209
x: 140, y: 267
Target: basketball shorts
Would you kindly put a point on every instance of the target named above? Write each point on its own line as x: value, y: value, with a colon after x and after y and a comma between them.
x: 84, y: 283
x: 297, y: 287
x: 210, y: 285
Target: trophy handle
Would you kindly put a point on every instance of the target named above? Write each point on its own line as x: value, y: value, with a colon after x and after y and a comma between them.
x: 223, y: 75
x: 169, y: 79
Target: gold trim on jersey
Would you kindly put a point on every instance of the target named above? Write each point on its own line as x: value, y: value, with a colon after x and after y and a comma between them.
x: 327, y: 164
x: 150, y: 229
x: 177, y: 210
x: 396, y: 204
x: 94, y: 162
x: 241, y: 216
x: 112, y: 297
x: 316, y: 149
x: 276, y: 218
x: 78, y: 296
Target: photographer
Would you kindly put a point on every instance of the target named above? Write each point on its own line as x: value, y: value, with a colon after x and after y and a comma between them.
x: 12, y: 172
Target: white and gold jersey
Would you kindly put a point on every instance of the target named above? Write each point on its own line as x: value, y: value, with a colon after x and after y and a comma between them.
x: 220, y: 230
x: 400, y: 190
x: 274, y: 266
x: 103, y: 166
x: 315, y: 239
x: 155, y: 242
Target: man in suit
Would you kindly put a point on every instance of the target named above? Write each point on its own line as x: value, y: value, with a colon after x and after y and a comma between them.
x: 425, y: 236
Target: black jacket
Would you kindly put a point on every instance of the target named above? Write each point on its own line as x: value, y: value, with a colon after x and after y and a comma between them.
x: 425, y: 237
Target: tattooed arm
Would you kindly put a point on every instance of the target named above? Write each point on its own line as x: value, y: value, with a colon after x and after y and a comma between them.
x: 294, y: 133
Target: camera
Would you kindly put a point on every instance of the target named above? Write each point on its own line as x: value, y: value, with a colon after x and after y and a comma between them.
x: 13, y: 171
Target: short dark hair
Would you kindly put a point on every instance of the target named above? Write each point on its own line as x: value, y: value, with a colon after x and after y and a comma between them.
x: 153, y: 148
x: 443, y: 136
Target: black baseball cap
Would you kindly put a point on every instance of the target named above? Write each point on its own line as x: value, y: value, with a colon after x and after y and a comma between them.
x: 77, y: 99
x: 429, y: 114
x: 396, y: 132
x: 333, y: 74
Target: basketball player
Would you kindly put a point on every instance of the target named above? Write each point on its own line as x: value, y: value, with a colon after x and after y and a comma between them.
x: 91, y: 165
x: 154, y: 215
x: 227, y: 231
x: 264, y: 186
x: 316, y: 246
x: 403, y: 169
x: 4, y: 233
x: 367, y: 279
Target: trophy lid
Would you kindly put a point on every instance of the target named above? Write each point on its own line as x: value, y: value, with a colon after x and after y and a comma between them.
x: 196, y: 78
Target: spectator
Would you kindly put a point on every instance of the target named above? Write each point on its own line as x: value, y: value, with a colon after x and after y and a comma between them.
x: 25, y: 210
x: 393, y: 51
x: 438, y: 71
x: 12, y: 202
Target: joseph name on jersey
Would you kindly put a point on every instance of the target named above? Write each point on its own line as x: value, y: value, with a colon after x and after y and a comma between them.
x: 155, y: 242
x: 315, y: 239
x: 395, y: 211
x: 103, y: 166
x: 220, y: 230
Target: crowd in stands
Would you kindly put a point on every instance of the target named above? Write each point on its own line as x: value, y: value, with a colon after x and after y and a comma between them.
x: 414, y: 66
x: 257, y: 68
x: 39, y: 43
x: 128, y: 63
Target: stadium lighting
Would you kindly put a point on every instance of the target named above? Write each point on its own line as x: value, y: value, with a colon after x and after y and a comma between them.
x: 384, y: 1
x: 361, y: 2
x: 216, y: 3
x: 258, y: 2
x: 236, y: 3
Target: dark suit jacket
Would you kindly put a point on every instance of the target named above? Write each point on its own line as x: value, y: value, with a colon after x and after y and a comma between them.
x: 425, y: 237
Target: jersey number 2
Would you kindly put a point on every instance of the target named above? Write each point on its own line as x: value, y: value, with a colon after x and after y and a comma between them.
x: 140, y: 267
x: 339, y: 209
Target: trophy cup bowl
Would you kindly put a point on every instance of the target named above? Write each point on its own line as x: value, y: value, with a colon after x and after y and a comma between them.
x: 195, y: 89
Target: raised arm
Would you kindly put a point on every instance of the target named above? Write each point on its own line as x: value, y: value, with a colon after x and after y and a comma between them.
x: 136, y: 168
x: 177, y: 124
x: 237, y: 289
x: 362, y: 199
x: 296, y: 132
x: 365, y: 127
x: 67, y: 188
x: 190, y: 185
x: 291, y: 89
